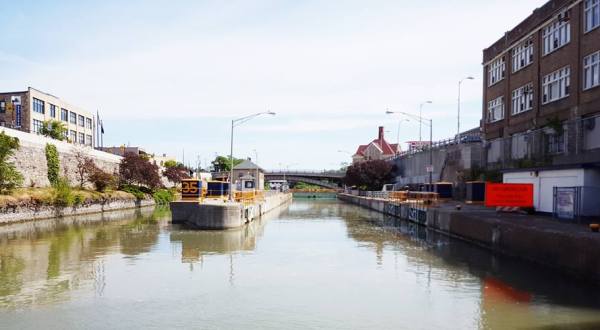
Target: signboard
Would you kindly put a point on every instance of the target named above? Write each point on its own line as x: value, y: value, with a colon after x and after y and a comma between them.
x: 429, y: 168
x: 509, y: 194
x: 191, y: 189
x: 565, y: 202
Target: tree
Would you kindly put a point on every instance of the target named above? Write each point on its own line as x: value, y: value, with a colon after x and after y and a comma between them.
x: 369, y: 175
x: 171, y: 163
x: 53, y: 163
x: 54, y: 129
x: 176, y: 173
x: 84, y: 166
x: 223, y: 164
x: 135, y: 169
x: 10, y: 178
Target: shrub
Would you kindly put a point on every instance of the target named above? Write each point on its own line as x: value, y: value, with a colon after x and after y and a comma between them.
x: 134, y: 190
x: 10, y: 178
x: 369, y: 175
x: 54, y: 129
x: 163, y: 196
x: 53, y: 164
x: 63, y: 194
x: 101, y: 179
x: 170, y: 163
x: 135, y: 169
x: 84, y: 166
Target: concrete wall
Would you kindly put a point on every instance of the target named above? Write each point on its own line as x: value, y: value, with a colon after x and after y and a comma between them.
x: 30, y: 159
x: 572, y: 250
x: 448, y: 163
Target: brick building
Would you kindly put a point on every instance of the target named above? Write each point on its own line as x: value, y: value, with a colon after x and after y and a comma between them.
x: 541, y: 108
x: 27, y: 111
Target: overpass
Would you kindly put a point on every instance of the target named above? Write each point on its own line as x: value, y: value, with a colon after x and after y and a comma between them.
x: 326, y: 179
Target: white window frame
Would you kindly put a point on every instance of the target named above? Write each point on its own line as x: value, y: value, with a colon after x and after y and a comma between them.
x: 522, y: 55
x: 556, y: 85
x: 557, y: 34
x: 591, y: 71
x: 37, y: 126
x: 522, y: 99
x: 591, y: 15
x: 497, y: 71
x: 495, y: 108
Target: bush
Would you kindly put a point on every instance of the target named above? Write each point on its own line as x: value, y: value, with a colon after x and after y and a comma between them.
x: 163, y: 196
x: 10, y: 178
x: 101, y: 179
x: 63, y: 194
x: 53, y: 164
x: 134, y: 190
x: 369, y: 175
x: 136, y: 170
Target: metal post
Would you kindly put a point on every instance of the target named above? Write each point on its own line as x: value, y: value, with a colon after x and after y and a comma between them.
x: 257, y: 172
x: 458, y: 115
x: 431, y: 153
x: 420, y: 122
x: 231, y: 164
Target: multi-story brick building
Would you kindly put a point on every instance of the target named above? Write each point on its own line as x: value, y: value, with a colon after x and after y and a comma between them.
x: 541, y: 95
x: 27, y: 111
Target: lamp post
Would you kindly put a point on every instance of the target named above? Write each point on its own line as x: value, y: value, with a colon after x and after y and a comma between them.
x: 234, y: 123
x: 428, y: 122
x: 458, y: 115
x: 421, y: 115
x: 398, y: 135
x: 257, y: 171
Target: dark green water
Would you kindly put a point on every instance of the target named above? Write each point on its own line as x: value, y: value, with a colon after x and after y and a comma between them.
x: 311, y: 265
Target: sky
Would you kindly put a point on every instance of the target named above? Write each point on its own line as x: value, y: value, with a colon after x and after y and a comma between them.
x: 169, y: 76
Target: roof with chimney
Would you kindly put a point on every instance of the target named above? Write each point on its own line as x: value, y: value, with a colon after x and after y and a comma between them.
x: 385, y: 147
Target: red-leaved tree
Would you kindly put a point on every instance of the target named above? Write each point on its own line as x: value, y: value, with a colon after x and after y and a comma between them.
x: 176, y: 173
x: 137, y: 170
x: 369, y: 175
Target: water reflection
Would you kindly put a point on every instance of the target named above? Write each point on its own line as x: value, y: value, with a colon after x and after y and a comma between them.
x: 40, y: 262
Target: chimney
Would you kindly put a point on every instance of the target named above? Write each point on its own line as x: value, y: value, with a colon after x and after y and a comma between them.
x: 381, y: 133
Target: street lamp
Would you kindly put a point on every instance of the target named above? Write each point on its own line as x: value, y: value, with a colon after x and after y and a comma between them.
x: 421, y: 115
x: 234, y: 123
x: 458, y: 117
x: 257, y: 171
x: 427, y: 122
x: 398, y: 135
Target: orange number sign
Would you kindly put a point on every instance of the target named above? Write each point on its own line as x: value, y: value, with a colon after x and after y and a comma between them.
x: 190, y: 189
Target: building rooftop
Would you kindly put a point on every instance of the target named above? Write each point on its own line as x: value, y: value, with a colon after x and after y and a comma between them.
x: 385, y: 147
x: 247, y: 164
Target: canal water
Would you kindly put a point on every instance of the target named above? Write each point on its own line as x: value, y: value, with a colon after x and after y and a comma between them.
x: 310, y: 265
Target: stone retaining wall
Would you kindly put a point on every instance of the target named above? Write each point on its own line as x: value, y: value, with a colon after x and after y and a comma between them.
x: 12, y: 214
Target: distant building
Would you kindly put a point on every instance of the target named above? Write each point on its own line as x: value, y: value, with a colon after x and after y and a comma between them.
x: 377, y: 149
x: 27, y: 111
x: 248, y: 168
x: 541, y: 110
x: 417, y: 145
x: 122, y: 150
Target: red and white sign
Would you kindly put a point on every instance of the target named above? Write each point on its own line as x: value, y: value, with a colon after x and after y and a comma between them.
x: 509, y: 194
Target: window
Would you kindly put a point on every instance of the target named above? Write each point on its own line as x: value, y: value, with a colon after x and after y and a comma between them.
x: 522, y: 55
x: 73, y: 137
x: 556, y: 143
x: 522, y: 99
x: 88, y: 123
x: 88, y: 140
x: 64, y: 114
x: 591, y: 71
x: 81, y: 138
x: 2, y: 106
x: 73, y: 117
x: 591, y: 14
x: 66, y: 133
x: 38, y: 106
x: 496, y: 71
x: 557, y: 33
x: 80, y: 120
x: 495, y: 110
x: 37, y: 126
x: 52, y: 111
x: 555, y: 86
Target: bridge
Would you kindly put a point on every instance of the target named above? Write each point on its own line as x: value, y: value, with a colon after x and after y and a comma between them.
x: 326, y: 179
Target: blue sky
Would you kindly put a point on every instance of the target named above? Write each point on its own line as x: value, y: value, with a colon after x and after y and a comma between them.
x: 170, y: 75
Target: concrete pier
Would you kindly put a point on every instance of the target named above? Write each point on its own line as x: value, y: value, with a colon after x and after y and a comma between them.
x: 570, y: 248
x: 219, y: 214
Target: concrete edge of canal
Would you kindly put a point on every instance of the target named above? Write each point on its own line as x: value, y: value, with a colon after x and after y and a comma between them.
x: 575, y: 252
x: 17, y: 214
x: 218, y: 214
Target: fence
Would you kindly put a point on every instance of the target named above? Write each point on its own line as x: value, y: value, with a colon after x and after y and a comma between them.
x: 559, y: 143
